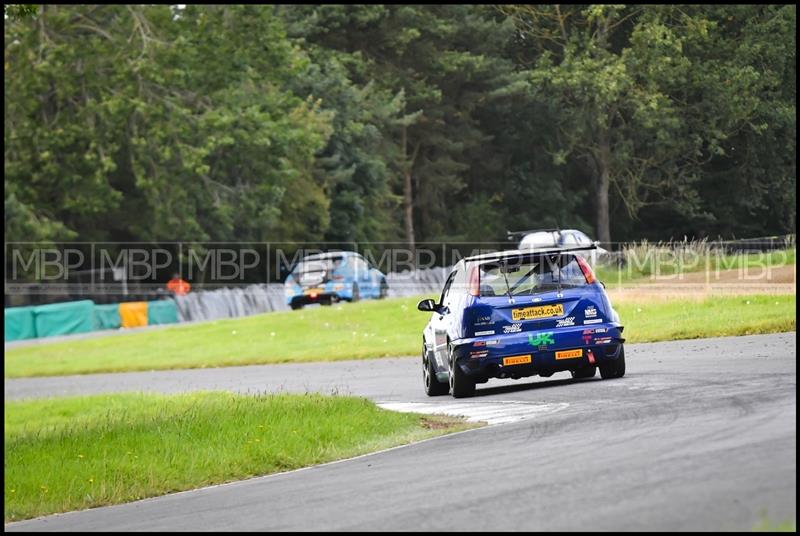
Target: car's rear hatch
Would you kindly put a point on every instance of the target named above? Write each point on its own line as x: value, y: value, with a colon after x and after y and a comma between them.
x: 564, y: 296
x: 498, y: 316
x: 312, y: 274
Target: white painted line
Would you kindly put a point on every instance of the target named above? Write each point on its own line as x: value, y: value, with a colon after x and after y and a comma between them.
x: 491, y: 413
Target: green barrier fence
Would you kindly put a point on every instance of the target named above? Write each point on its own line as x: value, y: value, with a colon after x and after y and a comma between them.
x: 107, y: 316
x: 77, y: 317
x: 19, y: 324
x: 162, y: 312
x: 64, y: 318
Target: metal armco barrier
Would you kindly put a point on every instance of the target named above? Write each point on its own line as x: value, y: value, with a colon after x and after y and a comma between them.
x: 231, y: 302
x: 265, y: 298
x: 424, y: 281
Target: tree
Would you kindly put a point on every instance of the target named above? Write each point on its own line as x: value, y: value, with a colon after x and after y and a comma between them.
x: 145, y: 122
x: 442, y: 60
x: 416, y: 122
x: 647, y: 97
x: 353, y: 164
x: 17, y: 11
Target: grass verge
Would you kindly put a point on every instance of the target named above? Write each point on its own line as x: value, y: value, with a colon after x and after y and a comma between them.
x: 365, y: 330
x: 718, y: 316
x: 75, y: 453
x: 766, y: 525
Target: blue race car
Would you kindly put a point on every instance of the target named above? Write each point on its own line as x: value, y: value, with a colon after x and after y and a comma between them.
x: 519, y: 313
x: 329, y: 277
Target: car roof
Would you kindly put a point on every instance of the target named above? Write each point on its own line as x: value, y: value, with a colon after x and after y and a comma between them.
x: 551, y: 231
x: 573, y: 231
x: 545, y: 238
x: 328, y: 255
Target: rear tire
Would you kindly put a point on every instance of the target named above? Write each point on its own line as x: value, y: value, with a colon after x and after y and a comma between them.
x: 614, y: 368
x: 433, y: 387
x: 296, y: 306
x: 461, y: 386
x: 585, y: 372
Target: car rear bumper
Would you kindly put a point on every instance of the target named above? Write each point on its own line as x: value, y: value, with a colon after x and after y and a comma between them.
x: 505, y: 356
x: 307, y: 299
x: 325, y: 295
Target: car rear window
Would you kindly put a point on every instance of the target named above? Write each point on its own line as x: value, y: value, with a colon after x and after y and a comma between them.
x: 529, y: 276
x: 311, y: 264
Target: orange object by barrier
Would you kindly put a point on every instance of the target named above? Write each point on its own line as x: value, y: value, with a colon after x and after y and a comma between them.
x: 178, y: 286
x: 133, y: 314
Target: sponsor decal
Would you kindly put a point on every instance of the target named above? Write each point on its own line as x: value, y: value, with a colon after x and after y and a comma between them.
x: 483, y: 321
x: 541, y: 340
x: 565, y: 322
x: 541, y: 311
x: 513, y: 328
x: 492, y: 342
x: 569, y: 354
x: 600, y: 330
x: 488, y: 332
x: 602, y: 340
x: 517, y: 360
x: 475, y: 355
x: 593, y: 321
x: 590, y: 311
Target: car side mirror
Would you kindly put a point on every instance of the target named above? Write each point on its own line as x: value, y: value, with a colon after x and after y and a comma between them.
x: 602, y: 284
x: 427, y: 305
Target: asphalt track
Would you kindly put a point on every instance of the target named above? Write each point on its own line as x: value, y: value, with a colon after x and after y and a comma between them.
x: 698, y: 435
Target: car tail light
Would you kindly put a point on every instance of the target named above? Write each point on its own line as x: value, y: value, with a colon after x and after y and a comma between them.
x: 474, y: 282
x: 586, y: 269
x: 338, y: 277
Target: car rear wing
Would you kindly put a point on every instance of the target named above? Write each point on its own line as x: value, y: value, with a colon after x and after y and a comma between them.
x: 500, y: 255
x: 513, y: 234
x: 551, y: 251
x: 560, y: 250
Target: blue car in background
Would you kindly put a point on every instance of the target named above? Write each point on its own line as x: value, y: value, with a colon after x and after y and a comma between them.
x: 337, y: 275
x: 519, y: 313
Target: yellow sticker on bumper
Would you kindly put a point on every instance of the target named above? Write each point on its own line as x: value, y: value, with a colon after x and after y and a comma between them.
x: 517, y: 360
x: 542, y: 311
x: 569, y: 354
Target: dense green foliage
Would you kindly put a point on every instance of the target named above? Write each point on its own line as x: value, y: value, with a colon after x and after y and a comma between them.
x: 407, y: 123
